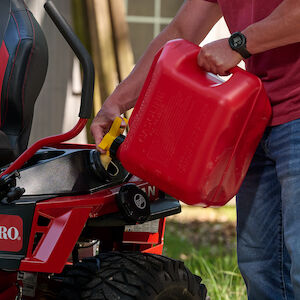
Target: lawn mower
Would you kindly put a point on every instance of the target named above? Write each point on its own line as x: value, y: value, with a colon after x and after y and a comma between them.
x: 70, y: 228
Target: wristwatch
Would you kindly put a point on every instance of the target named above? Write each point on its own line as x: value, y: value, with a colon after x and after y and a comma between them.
x: 237, y: 42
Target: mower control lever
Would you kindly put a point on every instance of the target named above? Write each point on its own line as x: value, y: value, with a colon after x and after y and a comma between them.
x: 83, y: 56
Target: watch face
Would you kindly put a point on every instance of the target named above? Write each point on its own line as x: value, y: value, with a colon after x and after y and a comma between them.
x: 237, y: 41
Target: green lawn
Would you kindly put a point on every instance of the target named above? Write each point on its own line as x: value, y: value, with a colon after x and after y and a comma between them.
x: 205, y: 239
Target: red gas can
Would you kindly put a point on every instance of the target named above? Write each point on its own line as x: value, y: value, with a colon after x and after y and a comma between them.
x: 192, y: 134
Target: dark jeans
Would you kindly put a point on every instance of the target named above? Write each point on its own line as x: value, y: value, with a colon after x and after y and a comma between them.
x: 268, y: 207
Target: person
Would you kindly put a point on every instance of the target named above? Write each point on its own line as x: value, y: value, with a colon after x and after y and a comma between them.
x: 266, y: 35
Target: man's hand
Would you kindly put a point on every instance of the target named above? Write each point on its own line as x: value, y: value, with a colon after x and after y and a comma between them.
x: 103, y: 121
x: 217, y: 57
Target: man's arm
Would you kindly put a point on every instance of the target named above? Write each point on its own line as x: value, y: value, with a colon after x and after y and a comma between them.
x: 280, y: 28
x: 193, y: 21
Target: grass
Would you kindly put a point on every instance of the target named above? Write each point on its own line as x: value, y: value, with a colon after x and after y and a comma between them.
x: 205, y: 240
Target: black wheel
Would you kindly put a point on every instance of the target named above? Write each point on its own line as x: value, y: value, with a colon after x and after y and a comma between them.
x: 128, y: 276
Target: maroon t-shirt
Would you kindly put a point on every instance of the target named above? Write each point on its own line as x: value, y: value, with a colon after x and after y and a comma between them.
x: 279, y: 69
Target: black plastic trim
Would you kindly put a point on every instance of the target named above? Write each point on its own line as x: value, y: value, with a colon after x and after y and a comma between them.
x: 158, y: 209
x: 116, y: 144
x: 10, y: 262
x: 164, y: 208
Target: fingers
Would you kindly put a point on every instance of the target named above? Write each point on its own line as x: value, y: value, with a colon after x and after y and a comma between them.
x: 98, y: 133
x: 209, y: 63
x: 100, y: 127
x: 218, y: 58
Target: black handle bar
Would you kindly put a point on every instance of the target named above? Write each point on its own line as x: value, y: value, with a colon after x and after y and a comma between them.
x: 65, y: 29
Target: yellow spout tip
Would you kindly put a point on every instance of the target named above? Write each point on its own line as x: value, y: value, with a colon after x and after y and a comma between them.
x: 105, y: 160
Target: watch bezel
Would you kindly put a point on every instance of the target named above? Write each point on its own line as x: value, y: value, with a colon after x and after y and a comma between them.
x: 241, y: 49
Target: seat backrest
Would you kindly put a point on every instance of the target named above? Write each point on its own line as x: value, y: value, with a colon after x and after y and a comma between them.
x: 5, y: 6
x: 23, y: 67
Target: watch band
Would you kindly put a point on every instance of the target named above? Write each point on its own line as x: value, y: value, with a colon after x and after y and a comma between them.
x: 244, y: 52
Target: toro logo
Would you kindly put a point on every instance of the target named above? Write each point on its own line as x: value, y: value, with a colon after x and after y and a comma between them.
x: 11, y: 233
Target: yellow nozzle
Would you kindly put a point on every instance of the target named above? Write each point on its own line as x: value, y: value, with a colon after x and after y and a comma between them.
x: 105, y: 160
x: 116, y: 129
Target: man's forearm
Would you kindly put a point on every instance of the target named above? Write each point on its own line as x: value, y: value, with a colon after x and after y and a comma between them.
x: 281, y: 27
x: 193, y: 22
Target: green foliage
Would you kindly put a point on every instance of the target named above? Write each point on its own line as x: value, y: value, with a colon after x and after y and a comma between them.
x: 208, y: 249
x: 220, y: 274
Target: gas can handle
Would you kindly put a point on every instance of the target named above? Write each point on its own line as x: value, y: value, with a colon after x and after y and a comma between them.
x: 232, y: 71
x: 239, y: 78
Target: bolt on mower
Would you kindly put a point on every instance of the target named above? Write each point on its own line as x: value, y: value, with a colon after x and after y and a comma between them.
x: 71, y: 228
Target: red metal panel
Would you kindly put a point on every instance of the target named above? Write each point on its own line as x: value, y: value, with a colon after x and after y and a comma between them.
x: 157, y: 249
x: 56, y: 245
x: 68, y: 216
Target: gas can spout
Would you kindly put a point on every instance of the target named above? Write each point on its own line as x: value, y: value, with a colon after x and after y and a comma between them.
x: 105, y: 160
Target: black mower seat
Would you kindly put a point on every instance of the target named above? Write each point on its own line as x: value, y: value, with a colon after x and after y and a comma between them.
x: 23, y: 67
x: 4, y: 17
x: 6, y: 152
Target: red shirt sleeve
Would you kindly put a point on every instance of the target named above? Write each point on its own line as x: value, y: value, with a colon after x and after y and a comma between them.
x: 214, y: 1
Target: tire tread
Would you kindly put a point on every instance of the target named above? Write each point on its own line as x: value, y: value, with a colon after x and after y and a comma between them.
x: 129, y: 276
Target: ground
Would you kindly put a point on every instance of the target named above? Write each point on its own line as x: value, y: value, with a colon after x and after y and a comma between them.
x: 205, y: 238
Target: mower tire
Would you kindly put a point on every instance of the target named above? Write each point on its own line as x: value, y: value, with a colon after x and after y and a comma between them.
x: 131, y: 275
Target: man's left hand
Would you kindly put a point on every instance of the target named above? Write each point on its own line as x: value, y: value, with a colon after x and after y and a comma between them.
x: 217, y: 57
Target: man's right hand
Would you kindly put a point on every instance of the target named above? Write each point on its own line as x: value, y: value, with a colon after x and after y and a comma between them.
x: 103, y: 121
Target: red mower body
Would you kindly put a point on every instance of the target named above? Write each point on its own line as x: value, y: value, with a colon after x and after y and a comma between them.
x: 58, y: 204
x: 38, y: 233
